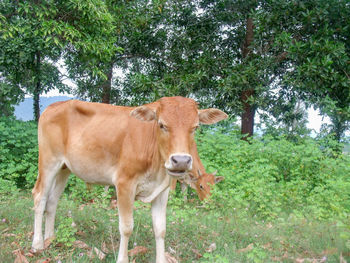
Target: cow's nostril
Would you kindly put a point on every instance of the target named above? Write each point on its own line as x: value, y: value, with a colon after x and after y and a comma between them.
x: 173, y: 159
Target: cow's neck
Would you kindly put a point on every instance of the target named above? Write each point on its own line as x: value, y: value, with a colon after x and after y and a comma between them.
x: 150, y: 152
x: 155, y: 179
x: 157, y: 161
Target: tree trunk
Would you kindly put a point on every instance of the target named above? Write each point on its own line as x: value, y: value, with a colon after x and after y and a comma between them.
x: 36, y: 94
x: 339, y: 125
x: 247, y: 118
x: 107, y: 85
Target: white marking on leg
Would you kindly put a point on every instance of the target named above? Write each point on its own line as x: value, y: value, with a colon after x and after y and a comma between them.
x: 159, y: 223
x: 125, y: 228
x: 40, y: 201
x: 51, y: 204
x: 126, y: 200
x: 38, y: 241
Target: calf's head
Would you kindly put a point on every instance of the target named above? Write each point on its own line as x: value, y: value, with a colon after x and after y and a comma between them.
x: 204, y: 182
x: 176, y: 120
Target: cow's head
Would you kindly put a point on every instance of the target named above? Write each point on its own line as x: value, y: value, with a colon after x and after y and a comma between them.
x: 204, y: 182
x: 176, y: 120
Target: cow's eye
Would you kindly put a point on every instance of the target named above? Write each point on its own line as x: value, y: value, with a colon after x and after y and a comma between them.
x: 201, y: 187
x: 163, y: 127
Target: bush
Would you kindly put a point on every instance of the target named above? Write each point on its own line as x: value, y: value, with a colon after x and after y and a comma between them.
x: 7, y: 188
x: 65, y: 231
x: 18, y: 152
x: 273, y: 176
x: 267, y: 177
x: 79, y: 190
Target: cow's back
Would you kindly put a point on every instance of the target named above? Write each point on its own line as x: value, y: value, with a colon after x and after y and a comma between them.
x: 86, y: 136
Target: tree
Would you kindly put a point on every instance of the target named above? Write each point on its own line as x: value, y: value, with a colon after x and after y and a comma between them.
x: 210, y: 53
x: 137, y: 37
x: 35, y: 33
x: 317, y: 50
x: 9, y: 96
x: 241, y: 56
x: 248, y: 55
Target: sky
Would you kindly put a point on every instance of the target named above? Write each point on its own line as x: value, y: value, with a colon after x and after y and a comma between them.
x: 316, y: 120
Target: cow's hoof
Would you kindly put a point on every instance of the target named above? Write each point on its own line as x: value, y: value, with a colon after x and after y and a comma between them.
x: 123, y: 260
x: 169, y: 258
x: 37, y: 246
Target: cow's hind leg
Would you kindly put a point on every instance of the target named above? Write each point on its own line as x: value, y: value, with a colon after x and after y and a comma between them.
x: 52, y: 201
x: 41, y: 192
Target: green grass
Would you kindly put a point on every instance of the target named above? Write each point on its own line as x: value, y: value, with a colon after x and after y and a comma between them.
x: 239, y: 236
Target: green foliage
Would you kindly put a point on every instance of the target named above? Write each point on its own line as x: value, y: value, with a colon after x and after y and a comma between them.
x: 298, y: 52
x: 77, y: 189
x: 318, y: 53
x: 18, y: 152
x: 9, y: 96
x: 65, y: 231
x: 139, y: 36
x: 215, y: 258
x: 239, y: 236
x: 269, y: 177
x: 294, y: 53
x: 7, y: 188
x: 34, y: 35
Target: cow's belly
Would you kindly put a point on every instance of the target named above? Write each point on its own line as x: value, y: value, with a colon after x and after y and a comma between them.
x: 92, y: 171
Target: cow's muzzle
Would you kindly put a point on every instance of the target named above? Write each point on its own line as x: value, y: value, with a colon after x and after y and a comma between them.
x: 179, y: 164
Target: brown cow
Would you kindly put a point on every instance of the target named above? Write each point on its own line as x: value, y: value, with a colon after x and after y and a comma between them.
x: 137, y: 150
x: 201, y: 182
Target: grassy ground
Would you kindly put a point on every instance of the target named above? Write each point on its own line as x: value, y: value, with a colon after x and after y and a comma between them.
x: 194, y: 234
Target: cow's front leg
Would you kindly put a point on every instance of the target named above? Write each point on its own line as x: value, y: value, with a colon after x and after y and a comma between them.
x: 159, y: 223
x: 126, y: 197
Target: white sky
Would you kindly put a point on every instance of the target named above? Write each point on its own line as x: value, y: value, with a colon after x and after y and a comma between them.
x: 315, y: 120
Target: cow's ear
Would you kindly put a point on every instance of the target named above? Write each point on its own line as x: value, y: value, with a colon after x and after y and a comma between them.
x: 143, y: 113
x: 211, y: 116
x: 191, y: 178
x: 219, y: 179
